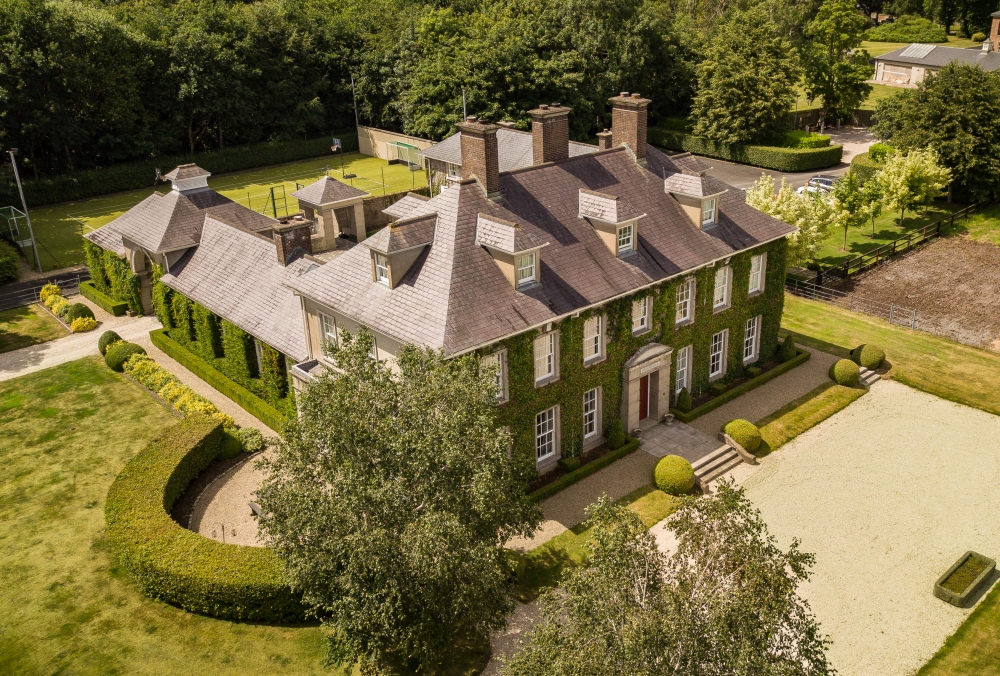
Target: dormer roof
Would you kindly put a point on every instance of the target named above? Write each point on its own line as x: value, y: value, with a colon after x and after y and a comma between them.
x: 327, y: 191
x: 404, y: 234
x: 607, y: 208
x: 408, y: 206
x: 690, y: 184
x: 506, y: 236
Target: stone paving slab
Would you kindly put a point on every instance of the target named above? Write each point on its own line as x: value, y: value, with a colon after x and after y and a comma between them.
x: 679, y: 439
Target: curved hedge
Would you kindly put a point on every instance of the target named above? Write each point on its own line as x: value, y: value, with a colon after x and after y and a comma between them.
x: 865, y: 167
x: 768, y: 157
x: 178, y: 566
x: 845, y: 372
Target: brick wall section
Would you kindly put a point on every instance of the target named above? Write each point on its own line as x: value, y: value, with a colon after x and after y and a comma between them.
x: 290, y: 236
x: 995, y: 33
x: 480, y: 154
x: 604, y: 140
x: 549, y: 133
x: 374, y: 218
x: 628, y: 122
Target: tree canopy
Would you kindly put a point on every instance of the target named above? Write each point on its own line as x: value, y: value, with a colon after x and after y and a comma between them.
x: 812, y: 214
x: 389, y: 501
x: 836, y: 69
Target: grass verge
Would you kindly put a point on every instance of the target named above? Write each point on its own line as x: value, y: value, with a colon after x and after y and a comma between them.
x: 975, y: 647
x: 26, y: 326
x: 982, y: 227
x: 803, y: 414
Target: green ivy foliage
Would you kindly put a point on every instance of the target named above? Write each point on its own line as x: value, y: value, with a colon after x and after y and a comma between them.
x: 206, y: 329
x: 180, y: 309
x: 95, y: 263
x: 124, y: 283
x: 769, y: 157
x: 525, y: 400
x: 161, y: 297
x: 237, y: 346
x: 273, y: 373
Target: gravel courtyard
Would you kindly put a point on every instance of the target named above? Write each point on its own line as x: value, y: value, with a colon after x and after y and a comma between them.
x: 887, y: 494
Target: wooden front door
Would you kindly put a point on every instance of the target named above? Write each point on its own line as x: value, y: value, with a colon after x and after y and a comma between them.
x: 643, y: 397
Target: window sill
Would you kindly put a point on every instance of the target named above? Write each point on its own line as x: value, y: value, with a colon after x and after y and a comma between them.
x: 754, y: 294
x: 547, y: 463
x: 594, y: 361
x: 721, y: 308
x: 717, y: 376
x: 545, y: 381
x: 683, y: 323
x: 640, y: 332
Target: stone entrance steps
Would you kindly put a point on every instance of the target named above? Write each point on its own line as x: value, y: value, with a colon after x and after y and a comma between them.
x: 716, y: 463
x: 869, y: 377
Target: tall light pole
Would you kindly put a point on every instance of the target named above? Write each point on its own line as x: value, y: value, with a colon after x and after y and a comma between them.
x: 17, y: 177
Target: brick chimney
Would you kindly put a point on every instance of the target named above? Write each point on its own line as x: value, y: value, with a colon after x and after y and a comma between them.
x: 291, y: 234
x: 480, y: 156
x: 549, y: 133
x: 628, y: 123
x: 604, y: 140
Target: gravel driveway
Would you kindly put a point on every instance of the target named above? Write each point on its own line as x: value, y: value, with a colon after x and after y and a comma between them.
x: 888, y: 493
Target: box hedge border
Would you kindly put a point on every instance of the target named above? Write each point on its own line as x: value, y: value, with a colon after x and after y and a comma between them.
x: 801, y: 358
x: 249, y: 401
x: 768, y: 157
x: 865, y: 167
x: 178, y: 566
x: 583, y: 472
x: 109, y: 305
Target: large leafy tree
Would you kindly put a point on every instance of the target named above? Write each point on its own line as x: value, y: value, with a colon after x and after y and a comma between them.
x: 836, y: 69
x: 389, y: 501
x: 746, y: 82
x: 912, y: 180
x: 810, y: 213
x: 956, y: 112
x: 850, y: 203
x: 724, y: 603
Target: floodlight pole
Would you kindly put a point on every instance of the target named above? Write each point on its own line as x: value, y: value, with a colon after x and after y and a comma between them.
x: 354, y: 97
x: 464, y: 114
x: 17, y: 177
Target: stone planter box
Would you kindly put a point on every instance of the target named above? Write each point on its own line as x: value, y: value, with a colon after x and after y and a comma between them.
x: 960, y: 598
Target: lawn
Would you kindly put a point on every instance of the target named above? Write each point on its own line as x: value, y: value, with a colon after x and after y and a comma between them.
x: 803, y: 414
x: 879, y: 92
x: 982, y: 227
x: 67, y: 606
x: 975, y: 647
x: 946, y: 369
x: 28, y: 325
x: 58, y: 227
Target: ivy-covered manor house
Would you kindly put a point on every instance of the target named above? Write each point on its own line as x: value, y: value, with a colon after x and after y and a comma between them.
x: 601, y: 284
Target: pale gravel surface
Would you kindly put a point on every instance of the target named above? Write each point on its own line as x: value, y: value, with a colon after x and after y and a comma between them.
x: 222, y: 511
x: 887, y: 493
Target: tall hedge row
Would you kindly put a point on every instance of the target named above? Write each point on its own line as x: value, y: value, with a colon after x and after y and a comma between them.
x: 178, y: 566
x: 113, y: 277
x: 864, y: 167
x: 768, y: 157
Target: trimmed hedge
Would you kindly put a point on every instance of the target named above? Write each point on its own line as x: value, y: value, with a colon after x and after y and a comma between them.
x: 78, y: 310
x: 845, y: 372
x: 745, y: 433
x: 768, y: 157
x: 119, y: 353
x: 566, y: 480
x: 865, y: 167
x: 107, y: 338
x: 157, y: 379
x: 869, y: 356
x: 113, y: 307
x: 674, y: 475
x: 743, y: 388
x: 135, y: 175
x: 8, y: 263
x: 908, y: 28
x: 249, y: 401
x: 787, y: 350
x: 178, y: 566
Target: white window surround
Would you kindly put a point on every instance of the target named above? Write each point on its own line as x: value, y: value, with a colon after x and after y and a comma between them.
x: 685, y: 301
x: 683, y: 369
x: 721, y: 294
x: 499, y: 359
x: 546, y: 434
x: 259, y: 351
x: 626, y: 239
x: 717, y: 355
x: 751, y: 339
x: 708, y: 211
x: 381, y: 262
x: 758, y: 271
x: 454, y: 171
x: 546, y: 358
x: 328, y: 332
x: 593, y: 339
x: 526, y: 269
x: 640, y: 315
x: 591, y: 414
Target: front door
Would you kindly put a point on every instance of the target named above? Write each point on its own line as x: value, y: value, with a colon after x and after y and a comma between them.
x: 644, y: 397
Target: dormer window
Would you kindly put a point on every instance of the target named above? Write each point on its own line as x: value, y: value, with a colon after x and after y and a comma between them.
x: 698, y: 198
x: 626, y: 237
x: 396, y: 247
x: 613, y: 219
x: 526, y: 270
x: 516, y: 251
x: 381, y: 269
x: 708, y: 212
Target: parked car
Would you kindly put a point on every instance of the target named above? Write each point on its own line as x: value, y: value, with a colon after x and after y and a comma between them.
x: 820, y: 184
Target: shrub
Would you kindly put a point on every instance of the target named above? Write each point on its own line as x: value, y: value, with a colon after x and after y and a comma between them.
x: 9, y: 270
x: 845, y: 372
x: 569, y: 464
x: 803, y: 139
x: 118, y: 354
x: 745, y: 433
x: 768, y: 157
x: 156, y: 378
x: 753, y: 372
x: 717, y: 389
x: 113, y: 307
x: 52, y: 300
x: 149, y: 374
x: 979, y: 37
x: 869, y: 356
x: 178, y: 566
x: 107, y: 338
x: 908, y: 28
x: 673, y: 475
x: 879, y: 152
x: 82, y: 324
x: 684, y: 401
x: 616, y: 435
x: 252, y: 439
x: 48, y: 291
x: 60, y: 306
x: 787, y: 349
x: 78, y: 310
x: 230, y: 447
x: 515, y: 564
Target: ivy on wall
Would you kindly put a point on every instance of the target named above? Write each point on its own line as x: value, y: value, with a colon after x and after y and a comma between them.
x: 525, y: 400
x: 206, y: 329
x: 95, y: 262
x: 113, y: 277
x: 161, y: 294
x: 273, y: 374
x: 239, y: 358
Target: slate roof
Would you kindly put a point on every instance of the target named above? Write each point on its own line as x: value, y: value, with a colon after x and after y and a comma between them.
x: 505, y: 236
x: 686, y: 184
x: 456, y: 298
x: 607, y: 208
x: 236, y: 275
x: 403, y: 235
x: 173, y: 220
x: 409, y: 205
x: 327, y: 190
x: 516, y: 149
x: 184, y: 171
x: 939, y: 57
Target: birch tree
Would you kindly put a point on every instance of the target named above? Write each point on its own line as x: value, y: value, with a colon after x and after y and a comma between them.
x: 810, y: 213
x: 912, y: 180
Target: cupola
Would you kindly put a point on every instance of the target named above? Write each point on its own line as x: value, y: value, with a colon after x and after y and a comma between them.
x: 187, y: 178
x: 397, y: 246
x: 517, y: 253
x: 699, y: 201
x: 614, y: 220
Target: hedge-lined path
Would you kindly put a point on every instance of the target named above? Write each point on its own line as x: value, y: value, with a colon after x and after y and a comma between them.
x: 772, y: 395
x: 222, y: 511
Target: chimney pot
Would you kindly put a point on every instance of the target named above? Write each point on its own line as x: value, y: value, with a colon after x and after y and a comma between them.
x: 556, y: 104
x: 543, y: 106
x: 471, y: 118
x: 623, y: 94
x: 635, y: 95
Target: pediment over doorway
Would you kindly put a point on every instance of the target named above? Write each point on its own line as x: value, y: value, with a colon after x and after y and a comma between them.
x: 646, y: 353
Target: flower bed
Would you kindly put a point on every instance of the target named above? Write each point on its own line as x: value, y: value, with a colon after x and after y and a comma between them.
x: 964, y: 578
x: 161, y: 382
x: 561, y: 481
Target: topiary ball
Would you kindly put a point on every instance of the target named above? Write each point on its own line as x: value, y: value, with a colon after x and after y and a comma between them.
x: 118, y: 354
x: 673, y: 475
x: 107, y: 338
x: 684, y: 401
x: 787, y: 350
x: 616, y: 436
x: 845, y: 372
x: 83, y: 324
x: 745, y: 433
x: 252, y: 439
x: 77, y: 310
x: 869, y: 356
x: 229, y: 447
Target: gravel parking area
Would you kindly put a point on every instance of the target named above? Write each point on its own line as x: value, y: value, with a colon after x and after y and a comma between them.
x: 888, y: 493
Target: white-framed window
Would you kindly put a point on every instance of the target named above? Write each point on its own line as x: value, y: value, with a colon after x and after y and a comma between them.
x: 683, y: 373
x: 708, y: 212
x: 328, y: 329
x: 454, y: 171
x: 720, y: 299
x: 373, y: 353
x: 500, y: 360
x: 751, y: 339
x: 626, y: 239
x: 685, y: 301
x: 758, y: 267
x: 545, y: 434
x: 717, y: 355
x: 381, y: 268
x: 593, y: 338
x: 591, y: 414
x: 640, y: 315
x: 525, y: 269
x: 545, y: 356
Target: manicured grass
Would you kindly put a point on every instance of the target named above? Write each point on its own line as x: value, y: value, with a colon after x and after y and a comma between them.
x: 28, y: 325
x: 546, y: 563
x: 67, y: 607
x: 58, y: 227
x: 941, y: 367
x: 803, y: 414
x: 975, y: 647
x: 982, y: 227
x: 878, y: 92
